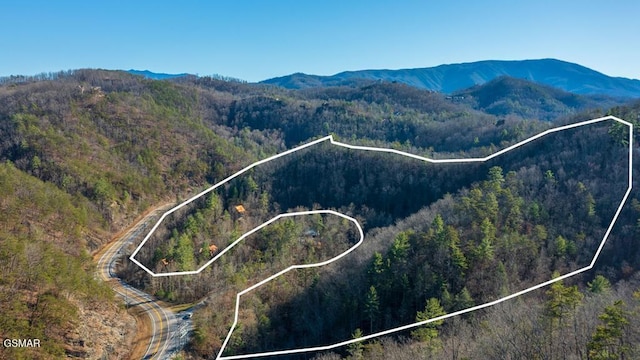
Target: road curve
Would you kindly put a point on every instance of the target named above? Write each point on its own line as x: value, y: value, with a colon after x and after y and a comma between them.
x: 162, y: 320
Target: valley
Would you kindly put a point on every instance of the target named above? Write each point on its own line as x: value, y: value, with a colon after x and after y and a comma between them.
x: 85, y: 152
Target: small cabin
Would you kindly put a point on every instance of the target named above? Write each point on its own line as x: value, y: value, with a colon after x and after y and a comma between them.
x: 311, y: 233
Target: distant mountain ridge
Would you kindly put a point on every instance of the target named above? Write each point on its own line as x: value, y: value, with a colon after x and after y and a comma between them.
x: 450, y: 78
x: 156, y: 76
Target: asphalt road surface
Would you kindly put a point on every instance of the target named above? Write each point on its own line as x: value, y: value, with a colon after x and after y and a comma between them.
x: 168, y: 329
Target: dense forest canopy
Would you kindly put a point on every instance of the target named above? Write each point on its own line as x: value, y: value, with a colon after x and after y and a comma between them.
x: 84, y: 152
x: 500, y: 235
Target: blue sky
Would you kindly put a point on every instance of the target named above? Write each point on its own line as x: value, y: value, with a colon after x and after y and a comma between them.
x: 256, y: 40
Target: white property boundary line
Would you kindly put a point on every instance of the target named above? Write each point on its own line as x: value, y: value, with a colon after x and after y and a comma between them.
x: 367, y: 148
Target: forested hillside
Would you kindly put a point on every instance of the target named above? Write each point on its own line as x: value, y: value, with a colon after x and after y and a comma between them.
x: 83, y: 155
x: 506, y: 95
x: 504, y: 229
x: 84, y: 152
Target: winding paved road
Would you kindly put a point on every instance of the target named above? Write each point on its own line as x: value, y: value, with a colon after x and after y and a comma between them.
x: 164, y: 323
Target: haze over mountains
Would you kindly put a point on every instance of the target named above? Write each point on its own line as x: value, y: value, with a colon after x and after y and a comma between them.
x: 455, y: 77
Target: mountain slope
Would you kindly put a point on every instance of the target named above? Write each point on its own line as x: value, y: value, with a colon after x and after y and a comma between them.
x: 450, y: 78
x: 80, y: 156
x: 506, y: 95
